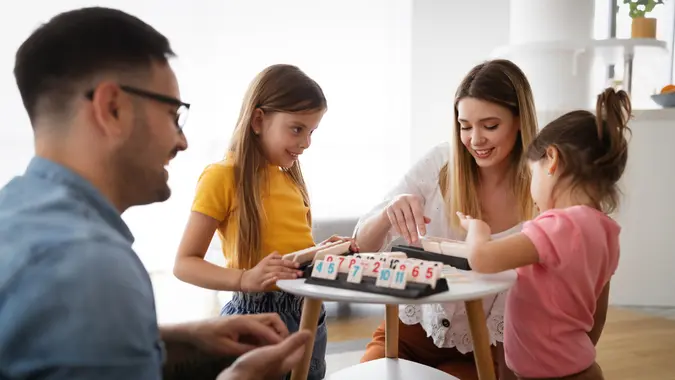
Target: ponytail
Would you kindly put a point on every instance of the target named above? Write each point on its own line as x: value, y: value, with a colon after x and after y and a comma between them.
x: 613, y: 111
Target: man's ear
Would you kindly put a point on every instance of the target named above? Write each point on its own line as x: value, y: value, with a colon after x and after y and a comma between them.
x: 257, y: 121
x: 111, y: 107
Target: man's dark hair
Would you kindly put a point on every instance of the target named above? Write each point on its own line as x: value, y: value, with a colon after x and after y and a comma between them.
x: 66, y: 53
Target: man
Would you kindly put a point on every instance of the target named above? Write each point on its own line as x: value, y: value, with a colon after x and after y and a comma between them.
x: 75, y: 300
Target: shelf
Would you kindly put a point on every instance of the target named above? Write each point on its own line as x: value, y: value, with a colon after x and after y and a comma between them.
x: 613, y: 50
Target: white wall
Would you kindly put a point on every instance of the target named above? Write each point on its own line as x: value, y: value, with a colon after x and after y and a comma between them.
x: 645, y: 275
x: 448, y: 39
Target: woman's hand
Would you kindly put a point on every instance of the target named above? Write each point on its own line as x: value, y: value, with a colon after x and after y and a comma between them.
x: 335, y: 238
x: 267, y: 272
x: 406, y: 215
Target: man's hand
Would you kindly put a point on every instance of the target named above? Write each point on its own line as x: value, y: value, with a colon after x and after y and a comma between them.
x: 237, y: 334
x: 270, y: 362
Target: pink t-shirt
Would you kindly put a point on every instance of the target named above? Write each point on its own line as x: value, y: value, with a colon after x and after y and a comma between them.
x: 550, y: 308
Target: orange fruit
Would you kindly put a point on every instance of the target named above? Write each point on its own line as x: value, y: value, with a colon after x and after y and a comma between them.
x: 667, y: 89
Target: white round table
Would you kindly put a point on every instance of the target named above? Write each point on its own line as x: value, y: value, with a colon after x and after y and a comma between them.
x: 468, y: 287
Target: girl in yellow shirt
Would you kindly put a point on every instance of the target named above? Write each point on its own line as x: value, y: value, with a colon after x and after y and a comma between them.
x: 257, y: 201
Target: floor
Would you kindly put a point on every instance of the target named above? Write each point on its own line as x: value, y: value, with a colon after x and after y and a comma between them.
x: 637, y: 343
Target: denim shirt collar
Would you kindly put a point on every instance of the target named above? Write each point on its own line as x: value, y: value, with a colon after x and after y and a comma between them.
x: 59, y: 174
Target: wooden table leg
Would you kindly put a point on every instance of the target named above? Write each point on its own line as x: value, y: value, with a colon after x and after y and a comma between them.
x: 391, y: 331
x: 311, y: 309
x: 481, y: 340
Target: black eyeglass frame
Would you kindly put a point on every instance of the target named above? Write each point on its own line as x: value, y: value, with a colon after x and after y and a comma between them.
x: 156, y: 97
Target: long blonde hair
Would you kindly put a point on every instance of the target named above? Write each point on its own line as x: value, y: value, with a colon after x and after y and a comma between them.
x: 503, y: 83
x: 278, y: 88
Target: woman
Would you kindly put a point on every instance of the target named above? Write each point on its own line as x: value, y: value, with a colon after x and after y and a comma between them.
x: 482, y: 172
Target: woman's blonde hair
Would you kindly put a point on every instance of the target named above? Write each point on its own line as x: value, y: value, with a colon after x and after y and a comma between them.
x: 501, y: 82
x: 278, y: 88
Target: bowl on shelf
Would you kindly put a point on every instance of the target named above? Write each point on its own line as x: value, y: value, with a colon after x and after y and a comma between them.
x: 665, y: 100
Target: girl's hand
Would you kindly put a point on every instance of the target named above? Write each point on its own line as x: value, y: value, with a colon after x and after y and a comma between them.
x: 468, y: 222
x: 406, y: 215
x: 464, y: 220
x: 335, y: 238
x: 476, y: 228
x: 270, y: 269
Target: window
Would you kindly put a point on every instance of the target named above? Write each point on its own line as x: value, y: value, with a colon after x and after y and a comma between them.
x: 359, y: 52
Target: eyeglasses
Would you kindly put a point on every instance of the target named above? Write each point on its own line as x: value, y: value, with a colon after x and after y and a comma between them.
x: 182, y: 108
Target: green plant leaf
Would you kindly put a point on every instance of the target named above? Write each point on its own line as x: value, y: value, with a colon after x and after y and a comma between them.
x: 639, y: 8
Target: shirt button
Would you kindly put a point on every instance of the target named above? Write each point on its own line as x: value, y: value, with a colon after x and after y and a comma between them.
x: 445, y: 323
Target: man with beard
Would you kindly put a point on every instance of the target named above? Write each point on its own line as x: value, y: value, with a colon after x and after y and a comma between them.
x: 75, y: 300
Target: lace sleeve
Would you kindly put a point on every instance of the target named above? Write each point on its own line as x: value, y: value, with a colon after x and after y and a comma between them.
x: 495, y: 319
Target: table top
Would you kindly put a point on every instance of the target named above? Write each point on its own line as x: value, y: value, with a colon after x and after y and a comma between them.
x: 463, y: 286
x: 390, y: 369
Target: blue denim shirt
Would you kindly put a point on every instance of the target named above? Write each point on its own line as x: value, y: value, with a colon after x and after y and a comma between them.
x: 75, y: 300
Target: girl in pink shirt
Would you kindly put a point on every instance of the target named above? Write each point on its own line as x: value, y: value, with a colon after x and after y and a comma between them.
x: 566, y: 256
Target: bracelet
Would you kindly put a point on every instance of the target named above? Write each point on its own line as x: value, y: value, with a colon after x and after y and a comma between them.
x: 241, y: 280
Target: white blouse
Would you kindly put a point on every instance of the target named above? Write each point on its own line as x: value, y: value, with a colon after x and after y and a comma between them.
x: 446, y: 323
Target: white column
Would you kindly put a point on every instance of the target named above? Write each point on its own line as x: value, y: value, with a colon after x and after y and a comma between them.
x: 546, y: 41
x: 551, y: 20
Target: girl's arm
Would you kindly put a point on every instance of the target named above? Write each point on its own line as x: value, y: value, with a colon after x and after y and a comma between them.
x: 600, y: 315
x: 190, y: 265
x: 493, y: 256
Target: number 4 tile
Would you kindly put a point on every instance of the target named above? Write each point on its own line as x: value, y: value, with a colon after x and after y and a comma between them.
x: 319, y: 268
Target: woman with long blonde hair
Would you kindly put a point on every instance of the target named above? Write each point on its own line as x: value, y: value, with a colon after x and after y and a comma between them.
x: 481, y: 172
x: 257, y: 201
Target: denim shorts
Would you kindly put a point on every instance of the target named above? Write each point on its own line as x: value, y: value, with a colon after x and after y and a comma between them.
x: 289, y: 308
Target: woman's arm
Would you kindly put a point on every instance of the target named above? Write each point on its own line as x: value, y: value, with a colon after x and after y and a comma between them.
x: 600, y: 315
x: 373, y: 231
x: 190, y: 265
x: 402, y: 211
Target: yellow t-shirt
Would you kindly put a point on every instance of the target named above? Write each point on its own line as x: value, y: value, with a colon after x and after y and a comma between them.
x: 285, y: 217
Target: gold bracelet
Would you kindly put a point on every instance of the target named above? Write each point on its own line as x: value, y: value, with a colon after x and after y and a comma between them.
x: 241, y: 280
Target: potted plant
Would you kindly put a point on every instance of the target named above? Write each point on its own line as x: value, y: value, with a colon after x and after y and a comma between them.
x: 642, y: 27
